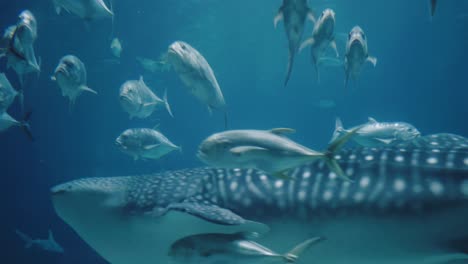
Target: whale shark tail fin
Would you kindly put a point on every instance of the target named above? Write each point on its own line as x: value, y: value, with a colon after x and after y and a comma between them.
x: 28, y: 241
x: 293, y: 255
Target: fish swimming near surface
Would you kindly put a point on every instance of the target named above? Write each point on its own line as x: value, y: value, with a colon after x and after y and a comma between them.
x: 145, y: 143
x: 379, y: 134
x: 7, y: 93
x: 267, y: 150
x: 48, y: 244
x: 294, y: 14
x: 197, y: 75
x: 408, y: 204
x: 231, y: 249
x: 17, y: 44
x: 323, y: 37
x: 85, y: 9
x: 70, y: 76
x: 356, y: 54
x: 6, y: 122
x: 116, y: 47
x: 137, y: 99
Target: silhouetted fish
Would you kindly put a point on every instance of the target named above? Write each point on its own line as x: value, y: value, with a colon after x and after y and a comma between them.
x: 409, y: 204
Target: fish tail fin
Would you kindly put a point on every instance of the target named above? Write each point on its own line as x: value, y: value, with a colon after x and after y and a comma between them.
x: 289, y: 69
x: 333, y: 148
x: 28, y: 241
x: 166, y: 103
x: 339, y: 129
x: 26, y: 127
x: 293, y: 255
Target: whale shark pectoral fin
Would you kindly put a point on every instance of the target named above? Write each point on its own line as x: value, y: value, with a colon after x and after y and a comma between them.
x: 209, y: 212
x: 278, y: 18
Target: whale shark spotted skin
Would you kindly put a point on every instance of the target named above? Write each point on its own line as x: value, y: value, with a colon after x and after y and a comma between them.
x: 407, y: 204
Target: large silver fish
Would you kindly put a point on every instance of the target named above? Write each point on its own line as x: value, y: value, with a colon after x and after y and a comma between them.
x: 144, y: 143
x: 137, y: 99
x: 409, y: 205
x: 357, y: 54
x: 48, y: 244
x: 232, y: 249
x: 70, y: 76
x: 294, y: 14
x: 85, y: 9
x: 196, y: 74
x: 18, y: 45
x: 323, y: 37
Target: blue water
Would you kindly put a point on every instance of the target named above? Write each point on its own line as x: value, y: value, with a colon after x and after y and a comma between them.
x: 421, y: 78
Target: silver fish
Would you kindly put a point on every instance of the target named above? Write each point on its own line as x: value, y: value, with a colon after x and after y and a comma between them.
x: 409, y: 205
x: 70, y: 76
x: 18, y: 45
x: 144, y: 143
x: 379, y: 134
x: 323, y: 37
x: 196, y: 74
x: 231, y: 249
x: 48, y: 244
x: 137, y: 99
x: 116, y: 47
x: 7, y: 93
x: 294, y: 14
x: 85, y: 9
x: 267, y: 150
x: 356, y: 53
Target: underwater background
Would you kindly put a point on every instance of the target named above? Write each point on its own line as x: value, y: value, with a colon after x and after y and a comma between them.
x: 421, y: 78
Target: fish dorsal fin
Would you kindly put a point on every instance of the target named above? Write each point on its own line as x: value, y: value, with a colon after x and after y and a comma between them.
x: 242, y: 150
x: 282, y: 130
x: 372, y: 120
x: 141, y: 81
x: 150, y: 147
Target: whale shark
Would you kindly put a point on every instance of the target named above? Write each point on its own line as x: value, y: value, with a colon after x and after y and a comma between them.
x: 408, y: 204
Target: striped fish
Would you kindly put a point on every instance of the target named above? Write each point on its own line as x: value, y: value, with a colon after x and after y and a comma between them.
x: 408, y: 204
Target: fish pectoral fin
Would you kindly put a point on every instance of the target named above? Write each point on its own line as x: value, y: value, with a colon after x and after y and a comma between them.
x: 306, y: 43
x: 278, y: 18
x: 333, y: 46
x: 311, y: 16
x: 372, y: 60
x: 241, y: 150
x: 150, y: 147
x: 385, y: 141
x: 149, y: 104
x: 87, y: 89
x: 207, y: 211
x: 372, y: 120
x: 282, y: 131
x: 294, y: 253
x: 53, y: 78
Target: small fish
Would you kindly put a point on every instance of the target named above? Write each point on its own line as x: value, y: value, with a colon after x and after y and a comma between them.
x: 6, y: 121
x: 197, y: 75
x: 267, y: 150
x: 116, y: 47
x: 85, y: 9
x: 154, y: 66
x: 144, y: 143
x: 323, y: 37
x: 7, y: 93
x: 70, y: 76
x: 48, y: 244
x: 356, y: 53
x: 376, y: 134
x: 231, y: 249
x: 138, y: 100
x: 17, y: 45
x: 433, y: 7
x: 294, y: 14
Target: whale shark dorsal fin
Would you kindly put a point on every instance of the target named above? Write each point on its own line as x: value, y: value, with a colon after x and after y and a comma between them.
x: 282, y: 131
x: 209, y: 212
x: 372, y: 120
